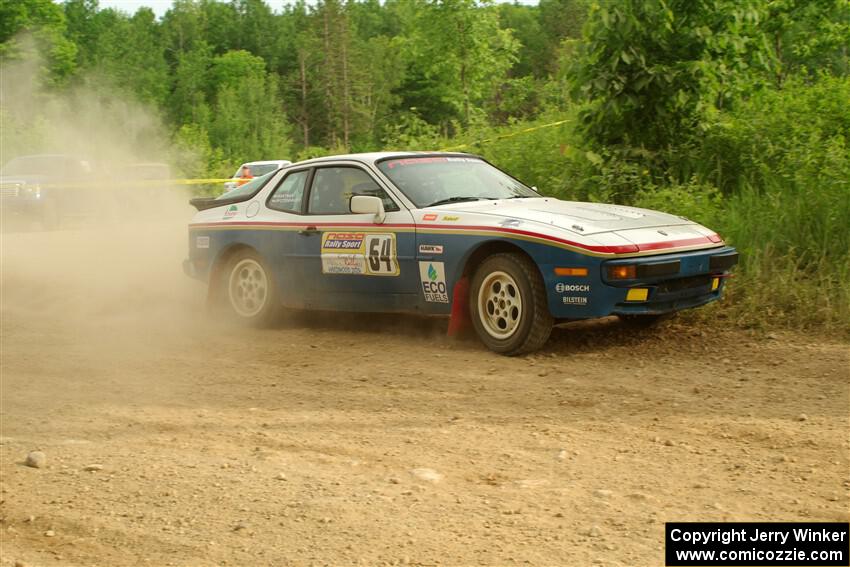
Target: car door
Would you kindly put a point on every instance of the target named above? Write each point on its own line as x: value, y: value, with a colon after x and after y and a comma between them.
x: 350, y: 261
x: 285, y: 205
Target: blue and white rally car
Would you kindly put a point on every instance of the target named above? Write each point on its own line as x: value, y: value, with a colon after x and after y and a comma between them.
x: 445, y: 234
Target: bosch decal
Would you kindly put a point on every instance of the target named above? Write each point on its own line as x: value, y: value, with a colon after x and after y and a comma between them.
x: 564, y: 288
x: 433, y: 278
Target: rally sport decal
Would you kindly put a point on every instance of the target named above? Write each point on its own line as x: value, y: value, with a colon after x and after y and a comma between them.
x: 359, y: 253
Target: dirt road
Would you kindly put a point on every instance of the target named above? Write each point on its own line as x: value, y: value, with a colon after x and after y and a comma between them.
x: 355, y: 440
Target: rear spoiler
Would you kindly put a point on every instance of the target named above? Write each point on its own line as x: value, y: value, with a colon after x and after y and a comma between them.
x: 204, y: 203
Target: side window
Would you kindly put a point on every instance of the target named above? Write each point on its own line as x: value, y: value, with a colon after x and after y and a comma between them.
x: 290, y: 193
x: 333, y: 188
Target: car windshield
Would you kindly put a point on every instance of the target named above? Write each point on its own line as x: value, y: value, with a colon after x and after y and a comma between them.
x: 248, y: 189
x: 263, y: 169
x: 438, y: 180
x: 152, y: 171
x: 258, y: 169
x: 33, y: 165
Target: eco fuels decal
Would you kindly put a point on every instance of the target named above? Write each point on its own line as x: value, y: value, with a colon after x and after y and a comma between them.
x: 433, y: 278
x: 359, y: 253
x: 231, y: 212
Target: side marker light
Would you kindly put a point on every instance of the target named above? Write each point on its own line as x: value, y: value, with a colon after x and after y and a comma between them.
x: 580, y: 272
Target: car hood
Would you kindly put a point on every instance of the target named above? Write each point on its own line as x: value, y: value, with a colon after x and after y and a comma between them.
x: 23, y: 179
x: 591, y: 223
x: 577, y: 217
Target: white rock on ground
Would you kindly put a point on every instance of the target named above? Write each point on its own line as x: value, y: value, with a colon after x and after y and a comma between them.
x: 36, y: 459
x: 429, y: 475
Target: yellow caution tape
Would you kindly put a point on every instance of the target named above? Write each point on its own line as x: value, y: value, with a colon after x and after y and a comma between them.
x: 210, y: 181
x: 122, y: 183
x: 503, y: 136
x: 205, y: 181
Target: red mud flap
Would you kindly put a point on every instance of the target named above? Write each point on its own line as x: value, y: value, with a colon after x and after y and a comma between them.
x: 459, y: 320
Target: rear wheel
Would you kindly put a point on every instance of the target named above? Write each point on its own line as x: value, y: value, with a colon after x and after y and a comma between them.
x: 250, y: 291
x: 508, y: 305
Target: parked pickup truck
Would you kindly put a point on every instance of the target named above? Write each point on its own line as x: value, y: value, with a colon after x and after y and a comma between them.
x: 48, y: 189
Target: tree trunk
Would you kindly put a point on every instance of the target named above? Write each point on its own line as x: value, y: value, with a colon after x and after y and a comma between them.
x: 346, y: 90
x: 305, y: 117
x: 330, y: 99
x: 463, y: 72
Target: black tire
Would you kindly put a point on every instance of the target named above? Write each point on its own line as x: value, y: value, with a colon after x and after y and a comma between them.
x: 527, y: 323
x: 248, y: 290
x: 645, y: 321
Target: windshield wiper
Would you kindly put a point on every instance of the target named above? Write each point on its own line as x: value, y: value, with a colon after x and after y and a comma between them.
x: 453, y: 200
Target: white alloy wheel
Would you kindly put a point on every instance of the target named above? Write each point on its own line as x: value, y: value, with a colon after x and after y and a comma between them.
x: 248, y: 288
x: 499, y: 305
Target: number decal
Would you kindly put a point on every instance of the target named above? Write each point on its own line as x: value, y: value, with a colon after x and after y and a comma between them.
x: 381, y: 251
x: 374, y: 260
x: 359, y: 253
x: 385, y: 255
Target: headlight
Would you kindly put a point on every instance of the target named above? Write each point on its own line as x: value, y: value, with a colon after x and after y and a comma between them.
x: 622, y: 272
x: 32, y: 190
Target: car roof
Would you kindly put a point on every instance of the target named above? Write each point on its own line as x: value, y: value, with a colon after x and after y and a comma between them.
x: 266, y: 162
x: 373, y: 157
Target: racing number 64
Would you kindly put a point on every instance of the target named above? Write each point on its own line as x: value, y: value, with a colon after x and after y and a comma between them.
x: 381, y: 251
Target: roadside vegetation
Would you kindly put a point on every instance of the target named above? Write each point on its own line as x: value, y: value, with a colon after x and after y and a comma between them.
x: 732, y: 113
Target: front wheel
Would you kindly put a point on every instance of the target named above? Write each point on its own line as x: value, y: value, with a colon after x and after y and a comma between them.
x: 508, y: 305
x: 250, y: 291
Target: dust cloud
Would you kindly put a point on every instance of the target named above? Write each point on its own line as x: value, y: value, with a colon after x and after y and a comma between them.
x: 101, y: 255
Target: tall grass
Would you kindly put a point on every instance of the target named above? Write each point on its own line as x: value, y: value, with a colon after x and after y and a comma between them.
x: 772, y: 176
x: 783, y: 159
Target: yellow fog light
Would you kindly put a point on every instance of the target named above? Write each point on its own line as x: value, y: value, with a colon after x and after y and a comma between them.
x: 637, y: 294
x: 715, y: 283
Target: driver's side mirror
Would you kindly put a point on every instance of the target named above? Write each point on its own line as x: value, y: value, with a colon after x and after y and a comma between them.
x: 365, y: 204
x: 535, y: 189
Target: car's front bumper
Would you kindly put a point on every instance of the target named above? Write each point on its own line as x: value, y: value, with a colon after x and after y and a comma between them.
x: 663, y: 283
x: 22, y: 206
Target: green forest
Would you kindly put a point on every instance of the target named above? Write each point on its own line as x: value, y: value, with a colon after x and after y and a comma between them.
x: 735, y: 113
